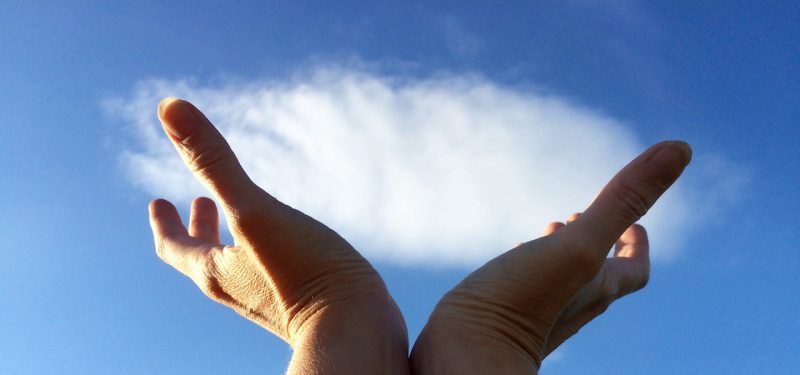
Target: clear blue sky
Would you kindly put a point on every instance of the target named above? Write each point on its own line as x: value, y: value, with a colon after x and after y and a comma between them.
x: 82, y: 292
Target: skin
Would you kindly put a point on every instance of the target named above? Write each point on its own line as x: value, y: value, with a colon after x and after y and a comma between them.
x: 624, y: 273
x: 300, y: 280
x: 286, y: 272
x: 509, y: 314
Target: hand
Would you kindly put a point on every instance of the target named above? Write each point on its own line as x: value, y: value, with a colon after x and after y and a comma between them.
x: 626, y: 272
x: 286, y: 272
x: 507, y: 315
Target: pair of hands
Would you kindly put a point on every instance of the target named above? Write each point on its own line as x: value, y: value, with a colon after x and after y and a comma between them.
x: 299, y: 279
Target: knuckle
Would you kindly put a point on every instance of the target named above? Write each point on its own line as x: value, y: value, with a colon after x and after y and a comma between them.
x: 208, y: 277
x: 609, y: 291
x: 249, y: 217
x: 207, y: 160
x: 204, y: 155
x: 250, y: 213
x: 261, y: 214
x: 643, y: 281
x: 580, y: 253
x: 635, y: 199
x: 161, y: 250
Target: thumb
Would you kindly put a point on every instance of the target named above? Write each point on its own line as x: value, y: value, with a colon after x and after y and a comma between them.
x: 629, y: 195
x: 205, y: 152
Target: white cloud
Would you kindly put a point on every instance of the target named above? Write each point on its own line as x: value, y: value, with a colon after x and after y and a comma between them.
x: 443, y: 171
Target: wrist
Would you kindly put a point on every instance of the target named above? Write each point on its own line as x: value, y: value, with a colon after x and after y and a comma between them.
x: 354, y: 338
x: 458, y: 347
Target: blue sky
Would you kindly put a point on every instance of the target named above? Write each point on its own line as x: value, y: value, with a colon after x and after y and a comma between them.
x: 83, y: 291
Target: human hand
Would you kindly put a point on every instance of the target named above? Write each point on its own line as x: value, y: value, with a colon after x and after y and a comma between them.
x: 507, y: 315
x: 286, y: 272
x: 624, y: 273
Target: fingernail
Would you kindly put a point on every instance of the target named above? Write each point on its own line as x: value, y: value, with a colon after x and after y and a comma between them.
x: 685, y: 148
x: 670, y: 152
x: 177, y: 117
x: 669, y: 160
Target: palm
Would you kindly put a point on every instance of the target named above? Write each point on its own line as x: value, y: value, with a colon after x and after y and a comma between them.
x: 284, y: 266
x: 509, y: 314
x: 626, y: 272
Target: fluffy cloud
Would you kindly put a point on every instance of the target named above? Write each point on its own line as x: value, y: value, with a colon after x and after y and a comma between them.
x: 444, y: 171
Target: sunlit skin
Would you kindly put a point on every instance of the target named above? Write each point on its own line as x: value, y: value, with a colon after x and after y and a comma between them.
x: 509, y: 314
x: 303, y: 282
x: 286, y: 272
x: 624, y: 273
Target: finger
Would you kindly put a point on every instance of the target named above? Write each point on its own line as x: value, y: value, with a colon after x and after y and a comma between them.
x: 633, y: 243
x: 573, y: 217
x: 173, y: 244
x: 624, y: 274
x: 629, y: 269
x: 629, y: 195
x: 165, y: 220
x: 205, y: 152
x: 204, y: 220
x: 552, y: 227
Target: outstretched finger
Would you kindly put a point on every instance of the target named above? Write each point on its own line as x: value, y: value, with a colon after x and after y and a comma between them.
x: 206, y: 153
x: 629, y: 195
x: 204, y: 220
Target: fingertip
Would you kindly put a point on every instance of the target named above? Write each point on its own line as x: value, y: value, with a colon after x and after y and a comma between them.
x: 667, y: 160
x: 158, y: 202
x: 203, y: 203
x: 164, y: 103
x: 164, y: 218
x: 638, y: 228
x: 153, y: 206
x: 204, y: 220
x: 178, y: 117
x: 634, y: 234
x: 633, y: 243
x: 552, y: 227
x: 158, y: 208
x: 573, y: 217
x: 631, y: 193
x: 681, y: 148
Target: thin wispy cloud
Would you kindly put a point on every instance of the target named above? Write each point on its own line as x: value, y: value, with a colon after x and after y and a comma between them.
x: 443, y: 171
x: 459, y: 40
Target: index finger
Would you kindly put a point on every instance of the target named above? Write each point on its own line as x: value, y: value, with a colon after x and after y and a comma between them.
x: 629, y: 195
x: 206, y: 153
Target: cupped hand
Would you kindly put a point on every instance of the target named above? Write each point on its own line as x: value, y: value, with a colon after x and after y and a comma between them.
x: 286, y: 271
x: 509, y: 314
x: 624, y: 273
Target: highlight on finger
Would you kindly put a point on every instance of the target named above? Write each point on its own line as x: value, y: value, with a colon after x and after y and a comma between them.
x: 178, y: 118
x: 167, y: 226
x: 172, y: 241
x: 164, y: 219
x: 573, y: 217
x: 633, y: 244
x: 552, y: 228
x: 204, y: 220
x: 629, y: 269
